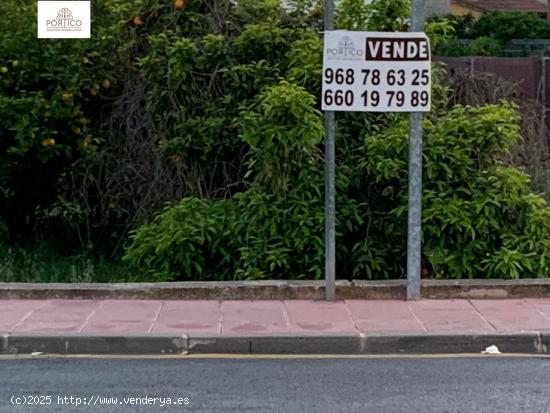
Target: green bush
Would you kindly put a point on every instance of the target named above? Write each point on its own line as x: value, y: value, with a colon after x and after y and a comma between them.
x: 255, y: 235
x: 211, y: 115
x: 489, y: 34
x: 500, y: 25
x: 275, y: 228
x: 510, y: 25
x: 51, y: 94
x: 452, y: 48
x: 463, y: 25
x: 484, y: 46
x: 479, y: 219
x: 192, y: 240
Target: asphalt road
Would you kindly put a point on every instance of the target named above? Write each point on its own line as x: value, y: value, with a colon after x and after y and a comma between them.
x: 281, y: 385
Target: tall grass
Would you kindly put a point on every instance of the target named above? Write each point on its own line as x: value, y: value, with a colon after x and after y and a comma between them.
x: 39, y: 265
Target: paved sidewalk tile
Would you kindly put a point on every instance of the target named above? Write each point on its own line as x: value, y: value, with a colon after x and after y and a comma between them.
x: 13, y: 311
x: 59, y: 315
x: 541, y: 304
x: 189, y: 317
x: 253, y: 317
x: 449, y: 315
x: 124, y: 316
x: 272, y: 317
x: 383, y: 315
x: 319, y: 316
x: 508, y: 315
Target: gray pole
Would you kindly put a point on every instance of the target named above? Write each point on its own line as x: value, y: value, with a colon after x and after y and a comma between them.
x: 543, y: 90
x: 330, y: 188
x: 414, y: 237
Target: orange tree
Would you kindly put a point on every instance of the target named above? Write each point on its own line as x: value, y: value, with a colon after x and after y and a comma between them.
x: 52, y: 97
x: 208, y: 111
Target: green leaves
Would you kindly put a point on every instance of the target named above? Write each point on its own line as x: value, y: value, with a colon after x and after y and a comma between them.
x: 191, y: 240
x: 479, y: 219
x: 510, y: 25
x: 282, y: 128
x: 378, y: 15
x: 222, y: 84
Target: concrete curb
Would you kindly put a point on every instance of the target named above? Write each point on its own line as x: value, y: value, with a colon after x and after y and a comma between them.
x: 280, y: 290
x: 290, y: 343
x: 22, y: 343
x: 524, y: 342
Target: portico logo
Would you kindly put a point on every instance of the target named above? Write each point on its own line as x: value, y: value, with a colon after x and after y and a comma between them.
x: 345, y: 51
x: 63, y: 19
x: 64, y: 22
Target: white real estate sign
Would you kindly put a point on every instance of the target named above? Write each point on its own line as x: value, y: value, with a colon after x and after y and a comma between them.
x: 376, y: 72
x: 63, y: 20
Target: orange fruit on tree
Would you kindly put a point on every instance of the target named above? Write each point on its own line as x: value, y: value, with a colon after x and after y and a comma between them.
x: 106, y: 83
x: 137, y: 21
x: 179, y: 4
x: 48, y: 142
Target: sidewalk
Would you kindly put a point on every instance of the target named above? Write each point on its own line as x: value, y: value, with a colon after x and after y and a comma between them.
x: 292, y: 326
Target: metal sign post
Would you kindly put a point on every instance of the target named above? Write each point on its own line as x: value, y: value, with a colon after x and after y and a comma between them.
x: 377, y: 72
x: 330, y: 187
x: 414, y: 236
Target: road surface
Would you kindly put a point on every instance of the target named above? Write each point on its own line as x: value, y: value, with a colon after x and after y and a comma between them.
x: 475, y: 384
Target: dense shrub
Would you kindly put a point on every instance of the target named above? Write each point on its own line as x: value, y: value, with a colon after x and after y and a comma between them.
x: 500, y: 25
x: 211, y: 115
x: 482, y: 46
x: 52, y: 98
x: 479, y: 219
x: 510, y: 25
x: 489, y: 34
x: 275, y: 228
x: 96, y: 135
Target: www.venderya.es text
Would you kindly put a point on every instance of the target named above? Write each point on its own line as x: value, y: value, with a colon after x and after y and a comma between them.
x: 97, y: 400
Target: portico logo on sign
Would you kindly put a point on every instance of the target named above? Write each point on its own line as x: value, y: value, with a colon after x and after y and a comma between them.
x: 64, y: 22
x: 345, y: 51
x: 64, y: 19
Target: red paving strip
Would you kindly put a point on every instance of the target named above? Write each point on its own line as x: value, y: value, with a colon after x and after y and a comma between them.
x: 189, y: 316
x: 313, y: 316
x: 383, y: 315
x: 512, y: 315
x: 449, y: 315
x: 272, y: 317
x: 124, y: 316
x: 253, y: 316
x: 58, y: 315
x: 542, y: 306
x: 13, y: 312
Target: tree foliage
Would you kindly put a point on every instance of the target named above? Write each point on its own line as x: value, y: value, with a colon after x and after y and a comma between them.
x: 489, y: 34
x: 211, y: 115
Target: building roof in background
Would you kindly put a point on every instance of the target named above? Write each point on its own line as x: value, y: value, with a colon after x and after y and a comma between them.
x: 536, y: 6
